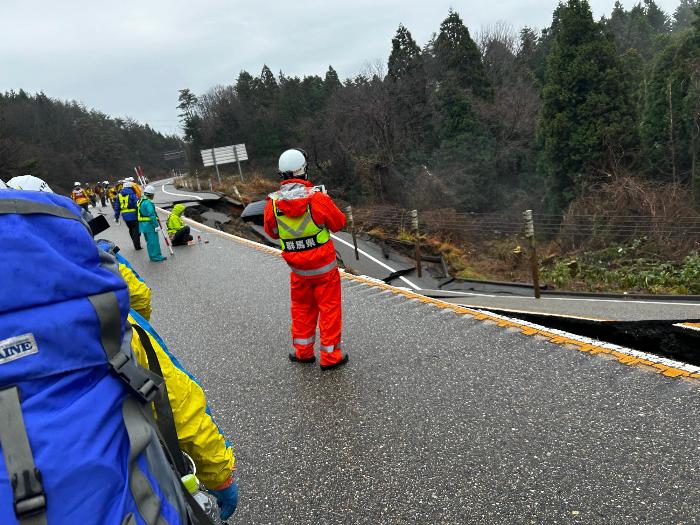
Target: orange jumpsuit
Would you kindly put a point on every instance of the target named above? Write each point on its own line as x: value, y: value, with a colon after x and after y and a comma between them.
x: 315, y: 280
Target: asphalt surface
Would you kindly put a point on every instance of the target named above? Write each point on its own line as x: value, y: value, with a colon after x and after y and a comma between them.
x: 438, y: 418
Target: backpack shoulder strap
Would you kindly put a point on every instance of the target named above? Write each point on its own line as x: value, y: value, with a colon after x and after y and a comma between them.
x: 143, y: 384
x: 164, y: 412
x: 165, y: 428
x: 27, y: 491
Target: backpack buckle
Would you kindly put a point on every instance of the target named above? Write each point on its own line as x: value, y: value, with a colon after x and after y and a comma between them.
x: 136, y: 377
x: 30, y: 499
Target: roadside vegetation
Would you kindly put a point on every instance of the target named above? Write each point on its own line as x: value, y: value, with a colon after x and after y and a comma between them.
x: 593, y: 124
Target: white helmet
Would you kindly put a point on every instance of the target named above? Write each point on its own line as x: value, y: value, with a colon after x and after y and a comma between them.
x: 127, y: 184
x: 292, y: 164
x: 105, y: 182
x: 130, y: 179
x: 29, y: 182
x: 149, y: 190
x: 76, y: 184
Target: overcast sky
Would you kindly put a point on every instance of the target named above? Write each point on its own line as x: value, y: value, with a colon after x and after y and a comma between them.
x: 130, y: 57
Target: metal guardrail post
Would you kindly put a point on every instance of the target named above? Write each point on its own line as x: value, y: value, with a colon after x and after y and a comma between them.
x: 351, y: 225
x: 414, y: 225
x: 530, y: 234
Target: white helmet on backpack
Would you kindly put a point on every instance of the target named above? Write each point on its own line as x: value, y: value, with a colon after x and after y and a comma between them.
x: 292, y: 164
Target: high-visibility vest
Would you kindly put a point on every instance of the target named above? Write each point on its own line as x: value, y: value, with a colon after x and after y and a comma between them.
x: 138, y: 211
x: 298, y: 234
x: 124, y: 204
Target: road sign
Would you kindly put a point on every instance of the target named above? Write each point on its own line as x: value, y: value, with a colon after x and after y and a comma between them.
x: 225, y: 155
x: 173, y: 155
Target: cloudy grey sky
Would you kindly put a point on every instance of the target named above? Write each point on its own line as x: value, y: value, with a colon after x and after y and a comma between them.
x: 130, y: 57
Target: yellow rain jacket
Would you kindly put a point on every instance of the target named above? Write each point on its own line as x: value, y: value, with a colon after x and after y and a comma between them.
x: 197, y: 433
x: 174, y: 222
x: 139, y: 292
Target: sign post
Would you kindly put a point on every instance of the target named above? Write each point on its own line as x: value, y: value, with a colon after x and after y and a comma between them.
x: 213, y: 155
x: 225, y: 155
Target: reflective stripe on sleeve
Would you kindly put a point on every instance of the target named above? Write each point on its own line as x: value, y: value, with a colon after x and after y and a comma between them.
x: 312, y: 273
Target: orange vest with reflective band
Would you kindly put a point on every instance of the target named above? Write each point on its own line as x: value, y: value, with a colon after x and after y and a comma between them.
x: 79, y: 197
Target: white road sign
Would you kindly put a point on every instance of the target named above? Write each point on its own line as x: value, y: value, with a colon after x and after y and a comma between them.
x: 224, y: 154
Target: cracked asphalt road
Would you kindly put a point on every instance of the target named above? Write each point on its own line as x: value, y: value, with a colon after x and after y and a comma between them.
x: 437, y: 419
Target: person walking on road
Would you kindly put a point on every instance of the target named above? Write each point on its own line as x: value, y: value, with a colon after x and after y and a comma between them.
x: 177, y: 230
x: 148, y: 224
x: 125, y: 206
x: 79, y: 196
x: 302, y: 217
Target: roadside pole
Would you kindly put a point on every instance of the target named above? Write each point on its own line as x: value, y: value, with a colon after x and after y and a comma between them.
x: 235, y: 154
x: 211, y: 187
x: 213, y: 154
x: 414, y: 224
x: 530, y: 234
x: 351, y: 225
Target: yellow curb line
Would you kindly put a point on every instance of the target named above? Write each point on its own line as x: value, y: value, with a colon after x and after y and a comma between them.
x: 557, y: 339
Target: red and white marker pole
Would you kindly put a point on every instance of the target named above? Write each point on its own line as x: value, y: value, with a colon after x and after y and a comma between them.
x: 165, y: 236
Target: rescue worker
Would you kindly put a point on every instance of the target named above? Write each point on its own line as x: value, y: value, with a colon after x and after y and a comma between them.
x: 91, y: 195
x: 197, y: 432
x: 302, y: 217
x: 112, y: 196
x: 79, y: 196
x: 148, y: 224
x: 126, y: 205
x: 101, y: 191
x: 177, y: 230
x: 135, y: 185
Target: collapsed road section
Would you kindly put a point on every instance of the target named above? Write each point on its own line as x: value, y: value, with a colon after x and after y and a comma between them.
x: 650, y: 324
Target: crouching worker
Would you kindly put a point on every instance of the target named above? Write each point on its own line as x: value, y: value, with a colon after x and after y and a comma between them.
x: 177, y: 230
x: 73, y: 397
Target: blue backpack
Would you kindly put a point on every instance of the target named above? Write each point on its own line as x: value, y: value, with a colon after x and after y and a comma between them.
x: 77, y: 436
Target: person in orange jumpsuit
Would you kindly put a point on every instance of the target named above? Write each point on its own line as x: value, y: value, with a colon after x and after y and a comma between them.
x: 302, y: 217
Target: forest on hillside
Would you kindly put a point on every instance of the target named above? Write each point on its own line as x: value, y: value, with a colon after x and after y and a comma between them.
x: 63, y: 142
x: 487, y: 121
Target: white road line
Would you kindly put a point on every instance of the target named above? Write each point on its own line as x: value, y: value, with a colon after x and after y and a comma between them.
x: 380, y: 263
x: 178, y: 194
x: 594, y: 300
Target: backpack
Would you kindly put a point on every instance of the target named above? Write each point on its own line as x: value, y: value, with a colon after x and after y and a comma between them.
x: 77, y: 438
